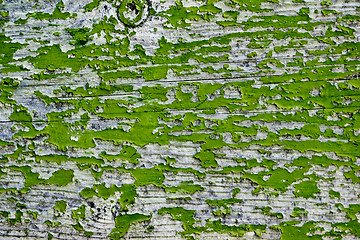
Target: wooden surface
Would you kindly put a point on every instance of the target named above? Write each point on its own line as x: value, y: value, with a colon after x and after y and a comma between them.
x: 217, y: 119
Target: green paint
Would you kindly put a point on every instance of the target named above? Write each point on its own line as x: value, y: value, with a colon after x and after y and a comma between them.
x: 207, y: 159
x: 99, y: 190
x: 127, y: 153
x: 61, y: 177
x: 222, y: 205
x: 139, y: 6
x: 306, y: 189
x: 52, y: 224
x: 299, y: 212
x: 92, y: 5
x: 180, y: 214
x: 334, y: 194
x: 188, y: 188
x: 266, y: 211
x: 79, y: 213
x: 60, y: 205
x: 123, y: 222
x: 57, y: 14
x: 119, y: 63
x: 128, y: 196
x: 80, y: 35
x: 17, y: 218
x: 145, y: 176
x: 288, y: 231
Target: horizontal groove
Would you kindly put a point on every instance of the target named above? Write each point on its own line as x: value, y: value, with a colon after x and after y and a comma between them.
x: 243, y: 112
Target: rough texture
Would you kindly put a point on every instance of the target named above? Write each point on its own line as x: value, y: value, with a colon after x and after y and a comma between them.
x: 149, y: 119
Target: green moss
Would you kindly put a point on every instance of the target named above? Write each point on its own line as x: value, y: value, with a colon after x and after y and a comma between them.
x: 50, y: 236
x: 119, y: 74
x: 170, y: 160
x: 31, y: 178
x: 88, y: 193
x: 21, y: 21
x: 4, y: 14
x: 349, y: 227
x: 235, y: 231
x: 235, y: 191
x: 349, y: 18
x: 150, y: 228
x: 177, y: 15
x: 21, y: 205
x: 7, y: 88
x: 326, y: 12
x: 88, y: 233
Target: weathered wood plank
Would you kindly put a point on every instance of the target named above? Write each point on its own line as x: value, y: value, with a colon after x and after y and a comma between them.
x: 149, y: 119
